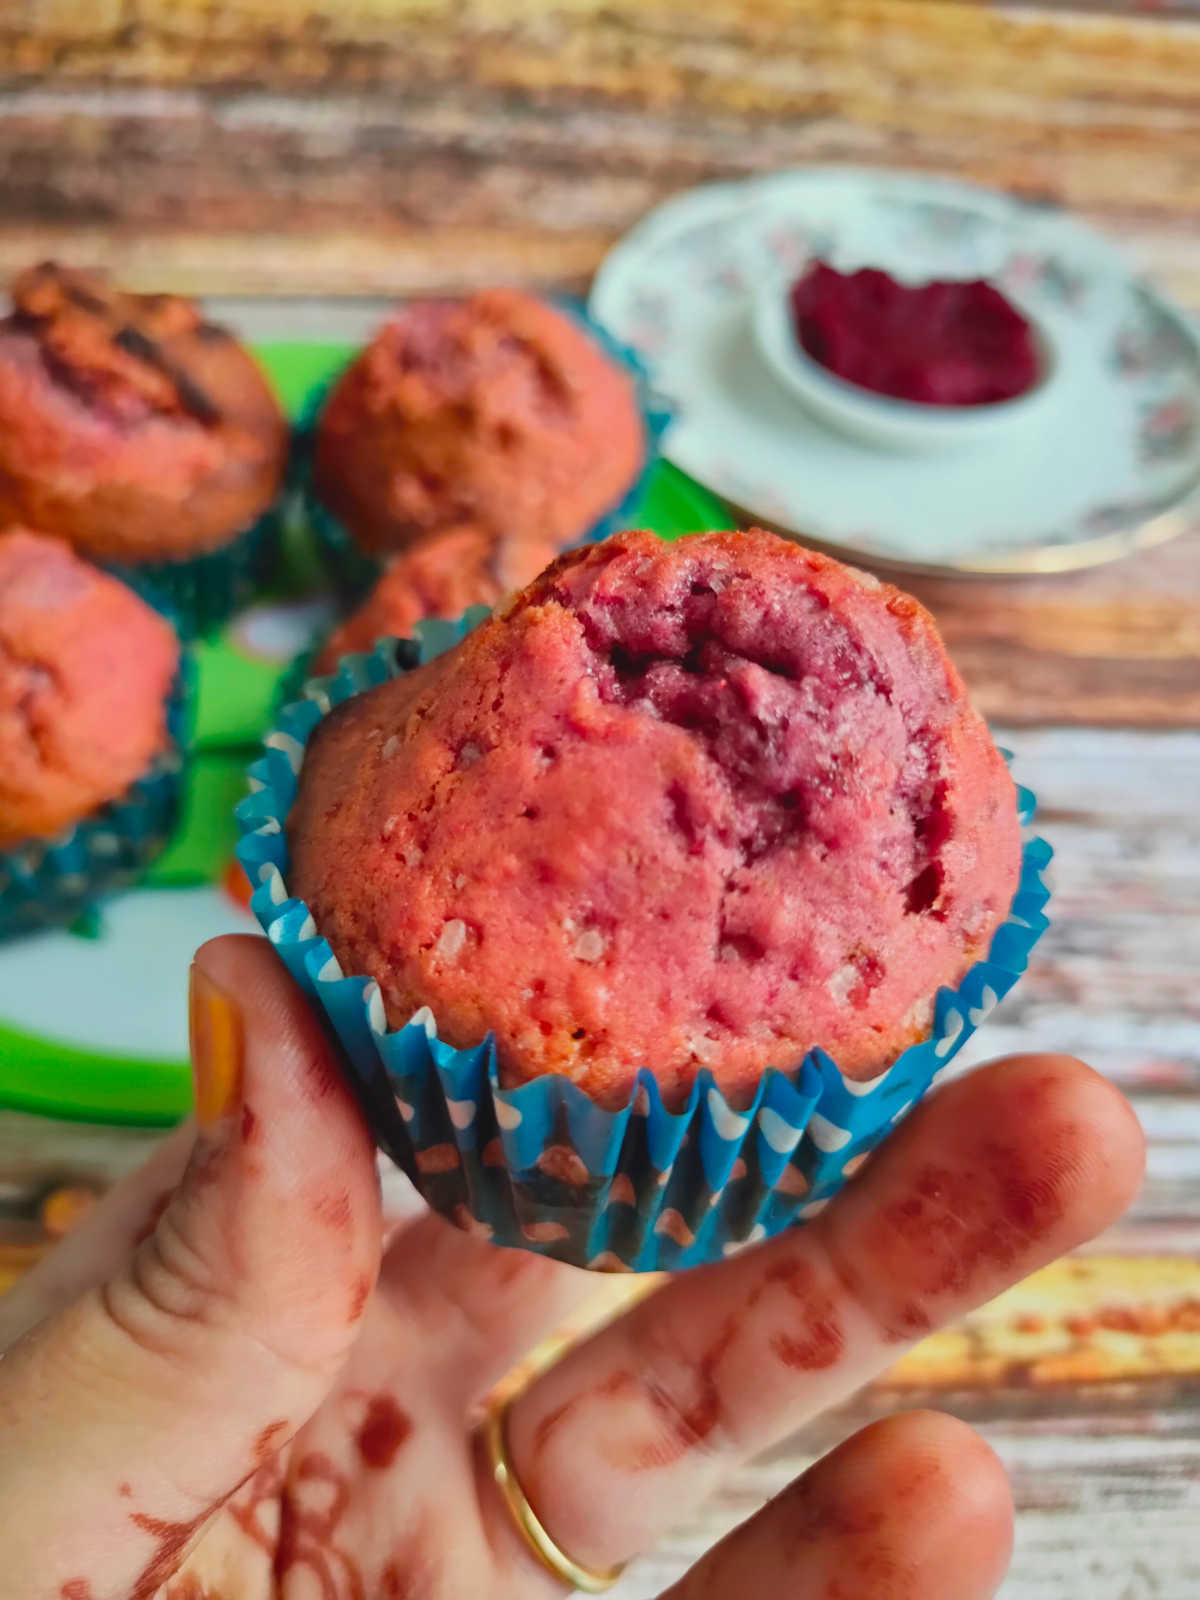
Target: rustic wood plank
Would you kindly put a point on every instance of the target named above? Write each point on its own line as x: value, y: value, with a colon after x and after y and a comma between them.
x: 1113, y: 980
x: 1117, y: 645
x: 457, y: 143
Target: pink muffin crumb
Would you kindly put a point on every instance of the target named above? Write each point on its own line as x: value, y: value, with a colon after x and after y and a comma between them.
x: 681, y: 806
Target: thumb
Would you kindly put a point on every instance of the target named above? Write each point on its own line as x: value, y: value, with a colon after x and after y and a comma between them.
x: 143, y: 1405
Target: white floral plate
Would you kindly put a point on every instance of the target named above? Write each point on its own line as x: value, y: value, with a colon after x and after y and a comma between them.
x: 1110, y: 461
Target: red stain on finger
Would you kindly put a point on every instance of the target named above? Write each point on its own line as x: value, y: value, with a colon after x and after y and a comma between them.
x: 681, y: 1415
x: 334, y: 1210
x: 125, y: 1490
x: 383, y: 1432
x: 263, y: 1490
x: 76, y: 1589
x: 189, y: 1587
x: 816, y: 1349
x: 413, y: 1572
x: 393, y: 1585
x: 313, y: 1504
x: 688, y: 1424
x: 951, y: 1230
x: 268, y: 1442
x: 360, y: 1293
x: 173, y: 1540
x: 684, y: 1414
x: 319, y: 1495
x: 816, y: 1341
x: 251, y: 1126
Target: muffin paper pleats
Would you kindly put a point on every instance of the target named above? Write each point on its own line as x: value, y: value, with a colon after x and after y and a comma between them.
x: 48, y: 883
x: 206, y: 590
x: 542, y: 1167
x: 353, y: 573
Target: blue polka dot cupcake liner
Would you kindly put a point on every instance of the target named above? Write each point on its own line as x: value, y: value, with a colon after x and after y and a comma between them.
x: 352, y: 573
x: 49, y: 883
x: 204, y: 592
x: 542, y: 1167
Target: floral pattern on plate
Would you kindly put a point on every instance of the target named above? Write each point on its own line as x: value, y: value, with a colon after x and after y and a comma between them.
x: 1113, y: 460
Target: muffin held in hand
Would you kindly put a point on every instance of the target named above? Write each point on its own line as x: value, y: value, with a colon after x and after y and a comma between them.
x: 128, y: 424
x: 496, y: 410
x: 708, y: 804
x: 443, y: 576
x: 86, y: 668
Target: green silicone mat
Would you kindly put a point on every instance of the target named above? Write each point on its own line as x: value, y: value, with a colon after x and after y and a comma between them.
x: 126, y: 1061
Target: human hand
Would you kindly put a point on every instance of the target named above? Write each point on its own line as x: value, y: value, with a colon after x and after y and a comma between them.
x: 232, y: 1382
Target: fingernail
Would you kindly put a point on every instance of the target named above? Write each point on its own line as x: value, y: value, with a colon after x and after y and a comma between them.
x: 215, y: 1025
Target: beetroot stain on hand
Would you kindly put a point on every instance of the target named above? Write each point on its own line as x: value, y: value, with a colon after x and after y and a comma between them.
x: 360, y: 1293
x: 268, y: 1442
x: 263, y: 1489
x: 173, y: 1540
x: 952, y: 1229
x: 384, y: 1430
x: 818, y: 1341
x: 413, y: 1572
x: 189, y: 1587
x: 334, y: 1210
x: 314, y: 1502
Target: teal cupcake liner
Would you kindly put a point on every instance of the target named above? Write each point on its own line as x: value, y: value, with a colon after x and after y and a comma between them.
x: 352, y: 573
x: 542, y: 1167
x: 50, y: 883
x: 204, y: 592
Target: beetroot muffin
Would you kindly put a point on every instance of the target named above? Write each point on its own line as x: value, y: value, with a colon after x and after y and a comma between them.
x: 128, y: 424
x: 443, y: 576
x: 707, y: 804
x: 86, y: 668
x: 497, y: 410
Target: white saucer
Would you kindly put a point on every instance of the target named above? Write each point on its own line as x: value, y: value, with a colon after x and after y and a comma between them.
x: 1106, y: 457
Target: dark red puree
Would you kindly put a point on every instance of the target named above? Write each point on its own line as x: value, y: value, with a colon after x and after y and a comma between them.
x: 939, y: 344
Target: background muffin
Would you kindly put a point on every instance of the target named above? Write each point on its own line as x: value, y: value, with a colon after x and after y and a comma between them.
x: 496, y: 410
x: 443, y: 576
x: 708, y: 804
x: 86, y: 668
x: 128, y: 424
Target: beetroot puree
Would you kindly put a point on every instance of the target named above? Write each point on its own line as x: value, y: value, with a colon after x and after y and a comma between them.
x: 942, y: 343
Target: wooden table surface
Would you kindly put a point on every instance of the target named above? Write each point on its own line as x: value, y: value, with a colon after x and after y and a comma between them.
x: 1087, y: 1380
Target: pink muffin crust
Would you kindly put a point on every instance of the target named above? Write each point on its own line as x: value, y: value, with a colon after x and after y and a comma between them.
x: 86, y: 668
x: 497, y: 410
x: 707, y: 804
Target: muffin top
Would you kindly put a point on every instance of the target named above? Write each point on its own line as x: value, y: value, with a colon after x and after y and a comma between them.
x: 86, y: 668
x: 497, y: 410
x: 128, y: 424
x: 443, y: 576
x: 708, y: 804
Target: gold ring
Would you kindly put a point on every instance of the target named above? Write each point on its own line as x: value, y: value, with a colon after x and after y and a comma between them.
x: 556, y: 1561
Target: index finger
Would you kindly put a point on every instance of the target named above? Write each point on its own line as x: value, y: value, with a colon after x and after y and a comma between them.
x: 990, y: 1179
